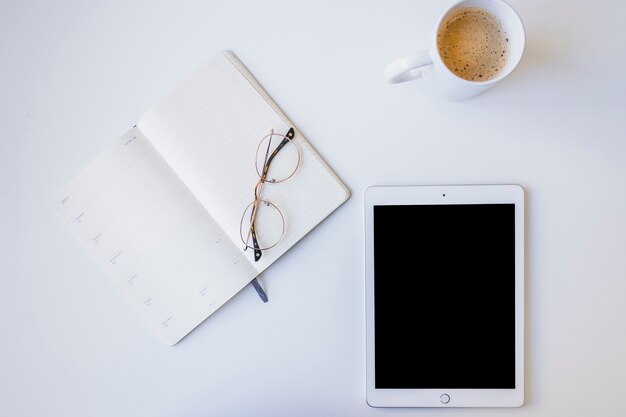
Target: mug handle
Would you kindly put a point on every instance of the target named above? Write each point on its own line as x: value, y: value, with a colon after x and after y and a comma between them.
x: 407, y: 68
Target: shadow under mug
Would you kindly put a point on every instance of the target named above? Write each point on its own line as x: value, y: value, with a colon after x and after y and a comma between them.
x: 437, y: 78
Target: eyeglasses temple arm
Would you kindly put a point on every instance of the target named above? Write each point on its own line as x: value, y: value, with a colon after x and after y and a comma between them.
x: 288, y: 137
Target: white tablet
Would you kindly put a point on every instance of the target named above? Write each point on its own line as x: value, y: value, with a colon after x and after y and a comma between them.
x: 445, y: 296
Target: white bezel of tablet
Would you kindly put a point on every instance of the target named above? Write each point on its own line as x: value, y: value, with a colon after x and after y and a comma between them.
x: 462, y: 194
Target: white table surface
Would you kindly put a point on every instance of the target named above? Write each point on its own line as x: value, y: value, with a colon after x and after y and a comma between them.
x: 75, y: 75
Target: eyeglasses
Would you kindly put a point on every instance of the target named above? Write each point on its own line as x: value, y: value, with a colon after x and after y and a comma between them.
x: 262, y: 223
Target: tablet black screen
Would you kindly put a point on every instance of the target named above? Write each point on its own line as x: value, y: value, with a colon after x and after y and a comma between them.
x: 444, y: 296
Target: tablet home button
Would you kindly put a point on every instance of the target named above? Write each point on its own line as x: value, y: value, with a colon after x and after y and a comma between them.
x: 445, y: 398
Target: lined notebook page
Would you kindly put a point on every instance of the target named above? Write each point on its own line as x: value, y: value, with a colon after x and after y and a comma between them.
x: 208, y: 130
x: 153, y: 237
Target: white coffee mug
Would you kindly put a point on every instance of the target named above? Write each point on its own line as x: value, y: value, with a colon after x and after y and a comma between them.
x: 437, y: 78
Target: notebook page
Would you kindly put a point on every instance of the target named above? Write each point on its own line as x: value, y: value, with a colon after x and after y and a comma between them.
x: 153, y: 237
x: 248, y: 75
x: 208, y: 130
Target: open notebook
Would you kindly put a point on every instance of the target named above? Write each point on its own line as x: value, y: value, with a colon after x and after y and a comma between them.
x: 160, y: 209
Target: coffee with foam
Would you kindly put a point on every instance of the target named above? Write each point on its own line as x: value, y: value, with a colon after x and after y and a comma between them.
x: 473, y: 44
